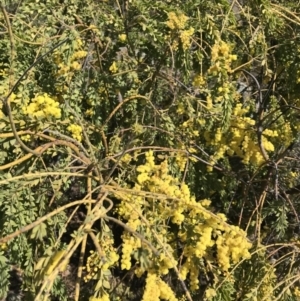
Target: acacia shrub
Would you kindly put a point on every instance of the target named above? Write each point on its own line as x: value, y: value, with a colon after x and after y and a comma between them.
x: 130, y: 115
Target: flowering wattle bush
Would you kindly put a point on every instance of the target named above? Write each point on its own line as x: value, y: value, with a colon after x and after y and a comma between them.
x: 149, y: 150
x: 200, y: 231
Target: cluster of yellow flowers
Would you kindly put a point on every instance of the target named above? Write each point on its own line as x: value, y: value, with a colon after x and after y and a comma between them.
x: 221, y: 57
x: 222, y: 96
x: 122, y: 37
x: 191, y: 267
x: 210, y: 293
x: 156, y: 178
x: 130, y: 244
x: 199, y: 81
x: 165, y: 263
x: 113, y: 68
x: 230, y: 242
x: 232, y: 246
x: 292, y: 178
x: 3, y: 246
x: 43, y: 106
x: 185, y: 37
x: 240, y: 139
x: 67, y: 69
x: 151, y: 291
x: 93, y: 265
x: 266, y: 289
x: 96, y: 262
x: 286, y: 135
x: 207, y: 231
x: 177, y: 22
x: 297, y: 292
x: 157, y: 289
x: 221, y: 60
x: 181, y: 160
x: 76, y: 131
x: 99, y: 263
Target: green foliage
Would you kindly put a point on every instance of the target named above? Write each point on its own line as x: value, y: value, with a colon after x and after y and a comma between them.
x: 4, y: 276
x: 149, y: 150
